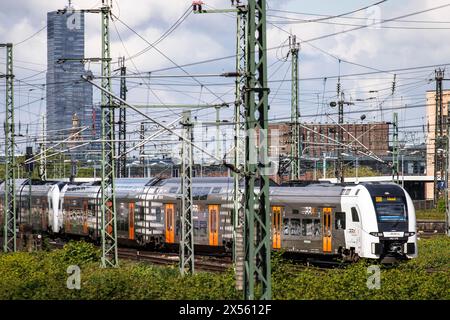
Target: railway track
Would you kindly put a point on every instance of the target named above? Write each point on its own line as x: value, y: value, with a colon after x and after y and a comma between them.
x: 208, y: 262
x: 430, y: 227
x: 204, y: 263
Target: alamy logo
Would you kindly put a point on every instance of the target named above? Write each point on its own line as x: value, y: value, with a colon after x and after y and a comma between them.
x: 74, y: 280
x: 73, y: 20
x: 374, y: 278
x: 373, y: 17
x: 264, y: 147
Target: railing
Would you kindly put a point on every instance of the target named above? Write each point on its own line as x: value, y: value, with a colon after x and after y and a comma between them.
x: 423, y: 204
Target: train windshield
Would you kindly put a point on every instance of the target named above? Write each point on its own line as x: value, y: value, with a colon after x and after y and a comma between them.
x: 390, y: 209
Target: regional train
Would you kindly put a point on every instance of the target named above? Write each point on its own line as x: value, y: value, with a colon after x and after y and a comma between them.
x: 366, y: 220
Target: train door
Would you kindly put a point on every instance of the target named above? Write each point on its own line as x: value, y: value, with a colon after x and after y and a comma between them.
x: 213, y: 213
x: 131, y: 220
x: 276, y: 227
x: 109, y: 228
x: 170, y: 222
x: 327, y: 229
x: 85, y: 217
x: 353, y: 230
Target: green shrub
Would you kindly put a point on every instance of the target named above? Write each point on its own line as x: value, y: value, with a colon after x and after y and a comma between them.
x: 43, y: 275
x: 77, y: 253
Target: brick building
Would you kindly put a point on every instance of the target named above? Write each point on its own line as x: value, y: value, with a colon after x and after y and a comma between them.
x: 431, y: 126
x: 321, y: 138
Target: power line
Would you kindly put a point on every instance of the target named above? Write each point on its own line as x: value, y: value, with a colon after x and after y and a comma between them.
x: 168, y: 58
x: 340, y: 15
x: 32, y: 36
x: 377, y: 23
x: 172, y: 28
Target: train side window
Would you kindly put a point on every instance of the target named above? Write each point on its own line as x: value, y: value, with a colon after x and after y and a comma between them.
x: 317, y: 227
x: 355, y: 217
x: 339, y: 220
x: 286, y: 227
x: 158, y: 214
x: 177, y: 227
x: 203, y: 227
x: 196, y: 227
x: 295, y: 211
x: 295, y: 227
x: 141, y: 213
x: 307, y: 227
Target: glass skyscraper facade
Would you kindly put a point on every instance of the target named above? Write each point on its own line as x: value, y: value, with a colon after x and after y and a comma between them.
x: 67, y: 93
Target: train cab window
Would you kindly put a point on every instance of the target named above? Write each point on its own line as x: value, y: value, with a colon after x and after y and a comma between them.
x: 286, y: 227
x: 355, y: 216
x: 295, y: 227
x: 339, y: 220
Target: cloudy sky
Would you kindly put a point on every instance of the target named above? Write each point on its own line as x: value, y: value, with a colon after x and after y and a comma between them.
x: 411, y: 40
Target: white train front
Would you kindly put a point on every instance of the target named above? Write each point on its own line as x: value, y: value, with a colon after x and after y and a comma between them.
x: 350, y: 221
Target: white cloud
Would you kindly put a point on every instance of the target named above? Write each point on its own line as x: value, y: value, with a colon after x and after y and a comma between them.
x: 203, y: 37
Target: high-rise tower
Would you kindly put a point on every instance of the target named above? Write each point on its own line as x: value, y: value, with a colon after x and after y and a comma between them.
x: 67, y: 93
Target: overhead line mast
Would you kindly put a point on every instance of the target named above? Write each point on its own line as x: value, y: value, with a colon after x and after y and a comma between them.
x: 108, y: 201
x: 9, y: 232
x: 295, y: 114
x: 257, y: 165
x: 257, y: 224
x: 438, y: 134
x: 395, y: 150
x: 122, y: 162
x: 239, y: 130
x: 187, y: 226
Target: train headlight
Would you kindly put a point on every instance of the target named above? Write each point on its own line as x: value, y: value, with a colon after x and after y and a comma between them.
x: 408, y: 234
x: 376, y: 234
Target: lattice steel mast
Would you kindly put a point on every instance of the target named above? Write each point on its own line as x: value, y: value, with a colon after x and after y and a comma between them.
x: 239, y: 146
x: 142, y: 148
x: 122, y: 162
x: 295, y: 141
x: 395, y: 149
x: 108, y: 202
x: 9, y: 231
x: 42, y: 149
x: 187, y: 229
x: 438, y: 133
x: 257, y: 222
x: 239, y: 130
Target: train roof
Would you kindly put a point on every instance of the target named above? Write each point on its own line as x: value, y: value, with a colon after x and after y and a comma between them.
x: 318, y: 193
x: 199, y: 180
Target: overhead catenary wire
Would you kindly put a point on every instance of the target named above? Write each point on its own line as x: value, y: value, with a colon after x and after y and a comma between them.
x: 280, y: 93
